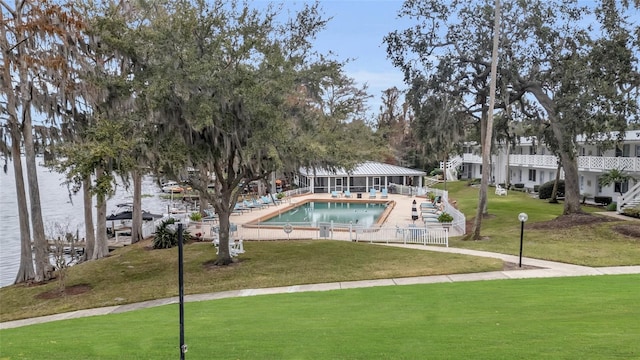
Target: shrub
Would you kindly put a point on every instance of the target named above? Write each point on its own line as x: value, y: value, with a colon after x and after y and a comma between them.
x: 195, y: 216
x: 604, y: 200
x: 547, y: 188
x: 165, y: 238
x: 633, y: 212
x: 445, y: 217
x: 280, y: 196
x: 612, y: 207
x: 436, y: 172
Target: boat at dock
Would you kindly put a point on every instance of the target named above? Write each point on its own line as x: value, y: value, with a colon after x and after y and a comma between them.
x: 121, y: 220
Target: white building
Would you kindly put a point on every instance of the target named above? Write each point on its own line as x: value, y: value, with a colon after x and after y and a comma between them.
x: 531, y: 163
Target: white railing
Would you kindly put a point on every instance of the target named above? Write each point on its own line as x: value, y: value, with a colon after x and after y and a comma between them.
x: 472, y: 158
x: 548, y: 161
x: 629, y: 196
x: 585, y: 163
x: 298, y: 191
x: 452, y: 163
x: 629, y: 164
x: 431, y: 235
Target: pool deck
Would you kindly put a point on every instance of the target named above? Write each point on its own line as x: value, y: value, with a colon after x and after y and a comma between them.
x: 400, y: 215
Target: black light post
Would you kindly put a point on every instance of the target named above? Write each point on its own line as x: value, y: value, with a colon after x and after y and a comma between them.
x: 523, y: 218
x: 183, y: 347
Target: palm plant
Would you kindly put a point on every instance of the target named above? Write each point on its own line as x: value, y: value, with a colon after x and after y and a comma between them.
x: 166, y: 238
x: 615, y: 176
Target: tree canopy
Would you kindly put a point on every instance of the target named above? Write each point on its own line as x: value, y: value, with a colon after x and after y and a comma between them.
x: 574, y: 69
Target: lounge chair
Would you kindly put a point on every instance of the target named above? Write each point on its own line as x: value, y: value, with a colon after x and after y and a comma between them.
x: 267, y: 200
x: 347, y: 193
x: 239, y: 209
x: 210, y: 216
x: 334, y: 194
x: 250, y: 205
x: 259, y: 204
x: 500, y: 191
x: 384, y: 194
x: 372, y: 193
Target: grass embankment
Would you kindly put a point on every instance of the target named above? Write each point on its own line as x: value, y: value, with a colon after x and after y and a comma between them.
x: 590, y: 245
x: 564, y: 318
x: 135, y: 273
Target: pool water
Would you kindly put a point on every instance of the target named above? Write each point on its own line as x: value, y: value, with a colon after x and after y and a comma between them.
x: 314, y: 212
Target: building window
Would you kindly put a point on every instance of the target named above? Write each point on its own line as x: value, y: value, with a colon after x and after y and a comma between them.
x: 621, y: 187
x: 520, y: 176
x: 532, y: 150
x: 637, y: 150
x: 532, y: 175
x: 626, y: 150
x: 542, y: 177
x: 581, y: 182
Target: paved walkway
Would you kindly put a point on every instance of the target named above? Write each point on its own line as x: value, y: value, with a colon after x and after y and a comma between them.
x: 545, y: 269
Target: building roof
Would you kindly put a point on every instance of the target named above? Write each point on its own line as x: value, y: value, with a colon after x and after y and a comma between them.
x: 369, y: 168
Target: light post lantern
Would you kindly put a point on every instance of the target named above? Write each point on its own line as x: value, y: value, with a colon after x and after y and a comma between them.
x: 523, y: 217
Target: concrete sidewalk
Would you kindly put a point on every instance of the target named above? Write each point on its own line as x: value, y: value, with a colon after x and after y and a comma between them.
x: 545, y: 269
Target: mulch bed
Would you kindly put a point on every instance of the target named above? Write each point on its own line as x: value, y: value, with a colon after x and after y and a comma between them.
x: 566, y: 221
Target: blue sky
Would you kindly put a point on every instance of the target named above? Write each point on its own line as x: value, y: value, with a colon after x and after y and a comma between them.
x: 355, y: 32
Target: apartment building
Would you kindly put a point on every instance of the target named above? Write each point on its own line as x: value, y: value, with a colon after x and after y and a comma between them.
x: 531, y: 163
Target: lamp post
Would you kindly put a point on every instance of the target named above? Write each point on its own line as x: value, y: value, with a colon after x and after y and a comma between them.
x: 523, y: 217
x: 172, y: 228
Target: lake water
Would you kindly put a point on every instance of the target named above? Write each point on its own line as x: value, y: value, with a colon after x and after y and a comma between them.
x: 57, y: 207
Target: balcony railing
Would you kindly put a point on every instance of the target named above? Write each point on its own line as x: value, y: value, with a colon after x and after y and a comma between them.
x: 630, y: 164
x: 585, y: 163
x: 472, y: 158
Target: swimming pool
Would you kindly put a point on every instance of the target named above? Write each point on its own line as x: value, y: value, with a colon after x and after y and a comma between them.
x: 311, y: 213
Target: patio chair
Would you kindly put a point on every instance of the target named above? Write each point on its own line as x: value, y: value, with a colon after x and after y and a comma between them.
x: 347, y: 193
x: 500, y: 191
x: 384, y: 194
x: 372, y: 193
x: 334, y: 194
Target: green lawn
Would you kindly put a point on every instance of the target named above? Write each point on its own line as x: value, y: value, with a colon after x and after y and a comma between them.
x: 135, y: 273
x: 591, y: 245
x: 592, y: 317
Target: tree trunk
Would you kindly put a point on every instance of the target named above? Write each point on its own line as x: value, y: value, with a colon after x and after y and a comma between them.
x: 567, y: 150
x: 224, y: 206
x: 136, y: 221
x: 507, y: 175
x: 572, y: 203
x: 554, y: 192
x: 102, y: 247
x: 90, y: 237
x: 25, y: 271
x: 44, y: 270
x: 487, y: 139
